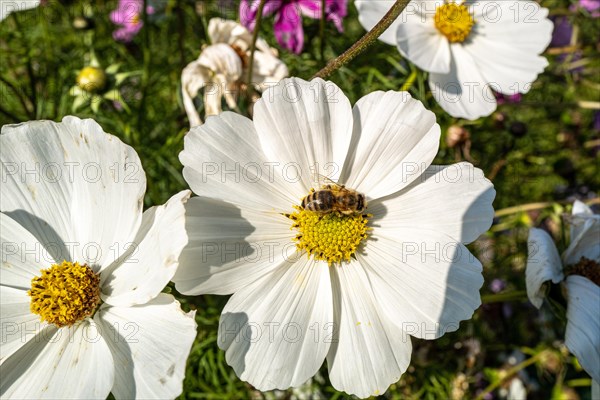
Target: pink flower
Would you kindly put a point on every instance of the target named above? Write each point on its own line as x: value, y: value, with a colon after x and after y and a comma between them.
x: 508, y: 98
x: 591, y: 6
x: 129, y: 14
x: 288, y: 17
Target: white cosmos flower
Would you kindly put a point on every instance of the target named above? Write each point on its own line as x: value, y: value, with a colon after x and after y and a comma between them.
x: 580, y: 263
x: 222, y: 68
x: 468, y: 47
x: 8, y: 7
x: 71, y: 205
x: 291, y: 309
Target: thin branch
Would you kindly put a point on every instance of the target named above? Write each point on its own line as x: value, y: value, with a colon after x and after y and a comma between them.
x: 364, y: 42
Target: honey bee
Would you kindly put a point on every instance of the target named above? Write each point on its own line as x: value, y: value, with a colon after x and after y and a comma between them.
x: 335, y: 198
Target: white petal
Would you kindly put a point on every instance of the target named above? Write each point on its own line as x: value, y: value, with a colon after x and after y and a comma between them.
x: 506, y: 42
x: 85, y: 187
x: 66, y: 363
x: 150, y: 345
x: 580, y: 208
x: 223, y: 160
x: 369, y: 353
x: 454, y: 199
x: 229, y: 247
x: 421, y: 43
x: 370, y: 13
x: 583, y: 323
x: 193, y: 78
x: 268, y: 70
x: 580, y: 215
x: 230, y: 32
x: 22, y: 255
x: 586, y: 243
x: 9, y: 7
x: 425, y: 281
x: 222, y: 59
x: 277, y: 331
x: 394, y: 141
x: 543, y: 264
x: 151, y: 260
x: 463, y: 93
x: 516, y: 390
x: 18, y: 324
x: 305, y: 126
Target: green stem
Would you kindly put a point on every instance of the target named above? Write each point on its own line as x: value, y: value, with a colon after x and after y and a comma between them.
x: 500, y: 297
x: 509, y: 374
x: 259, y: 12
x: 535, y: 206
x: 32, y: 80
x: 409, y: 82
x: 364, y: 42
x: 322, y: 29
x: 145, y: 73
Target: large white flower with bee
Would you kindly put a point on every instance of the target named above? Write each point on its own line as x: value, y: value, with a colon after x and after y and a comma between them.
x: 468, y: 47
x: 579, y: 271
x: 335, y: 279
x: 83, y: 268
x: 222, y: 68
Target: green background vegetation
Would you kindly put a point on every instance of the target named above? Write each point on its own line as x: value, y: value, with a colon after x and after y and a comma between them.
x: 543, y: 150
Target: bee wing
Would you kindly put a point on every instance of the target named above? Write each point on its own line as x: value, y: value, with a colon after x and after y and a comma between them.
x: 321, y: 181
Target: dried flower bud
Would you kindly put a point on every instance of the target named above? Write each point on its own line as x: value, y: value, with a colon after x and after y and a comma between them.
x: 457, y: 135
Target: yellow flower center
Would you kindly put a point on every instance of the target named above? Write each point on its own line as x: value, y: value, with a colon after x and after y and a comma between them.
x: 135, y: 19
x: 331, y: 237
x: 454, y: 21
x: 65, y: 293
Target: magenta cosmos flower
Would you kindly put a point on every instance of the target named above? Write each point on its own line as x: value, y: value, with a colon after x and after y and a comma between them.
x: 288, y: 17
x: 129, y: 16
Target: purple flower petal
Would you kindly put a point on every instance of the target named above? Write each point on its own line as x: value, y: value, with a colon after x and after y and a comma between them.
x: 288, y: 28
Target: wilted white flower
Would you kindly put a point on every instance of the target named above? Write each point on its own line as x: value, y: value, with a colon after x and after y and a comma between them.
x: 579, y: 270
x: 222, y: 68
x: 349, y: 287
x: 469, y: 47
x: 83, y: 268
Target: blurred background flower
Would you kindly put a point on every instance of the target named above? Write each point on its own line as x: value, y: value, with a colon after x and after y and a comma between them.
x: 223, y: 66
x: 288, y: 17
x: 129, y: 16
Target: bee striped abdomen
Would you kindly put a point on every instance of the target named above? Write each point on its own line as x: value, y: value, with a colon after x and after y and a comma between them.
x: 319, y: 201
x: 360, y: 202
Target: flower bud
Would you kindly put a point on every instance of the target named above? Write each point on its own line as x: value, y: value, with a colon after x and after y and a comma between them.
x: 91, y: 79
x: 457, y: 135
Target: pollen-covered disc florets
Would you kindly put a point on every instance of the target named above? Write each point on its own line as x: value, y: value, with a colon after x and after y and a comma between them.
x: 454, y: 21
x: 65, y: 293
x: 332, y: 237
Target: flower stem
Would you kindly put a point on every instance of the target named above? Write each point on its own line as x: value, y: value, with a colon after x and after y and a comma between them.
x: 500, y: 297
x: 365, y: 41
x: 322, y: 30
x: 509, y: 374
x: 259, y: 12
x: 409, y: 81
